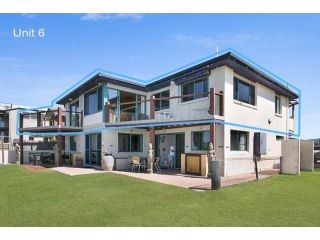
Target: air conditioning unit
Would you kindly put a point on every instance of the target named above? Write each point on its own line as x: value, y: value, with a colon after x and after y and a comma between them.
x: 260, y: 143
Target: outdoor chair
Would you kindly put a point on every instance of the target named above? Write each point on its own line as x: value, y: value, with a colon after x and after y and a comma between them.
x: 156, y: 164
x: 66, y: 159
x: 136, y: 164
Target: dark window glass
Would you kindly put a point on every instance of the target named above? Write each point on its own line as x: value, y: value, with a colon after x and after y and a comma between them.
x: 73, y: 144
x: 243, y: 91
x: 200, y: 140
x: 136, y: 143
x: 239, y: 141
x: 198, y: 86
x: 162, y: 103
x: 130, y: 142
x: 277, y: 102
x: 93, y: 101
x: 157, y: 102
x: 124, y: 142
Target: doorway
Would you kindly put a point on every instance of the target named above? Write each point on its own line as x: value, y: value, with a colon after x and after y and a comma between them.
x: 93, y: 150
x: 163, y: 144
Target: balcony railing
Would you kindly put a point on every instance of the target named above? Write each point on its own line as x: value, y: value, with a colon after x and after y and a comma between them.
x: 52, y: 118
x: 114, y: 114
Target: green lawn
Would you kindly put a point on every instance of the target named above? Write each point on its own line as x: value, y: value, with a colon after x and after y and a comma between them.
x: 49, y: 198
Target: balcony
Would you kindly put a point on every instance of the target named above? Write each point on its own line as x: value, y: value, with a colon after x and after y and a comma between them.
x: 51, y: 120
x: 207, y: 105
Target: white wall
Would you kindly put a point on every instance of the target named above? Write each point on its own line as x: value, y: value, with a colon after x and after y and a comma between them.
x: 290, y: 161
x: 306, y: 155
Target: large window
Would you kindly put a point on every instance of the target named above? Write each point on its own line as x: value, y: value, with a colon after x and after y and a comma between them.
x: 130, y: 142
x: 199, y: 86
x: 200, y: 140
x: 239, y: 141
x: 244, y: 92
x: 93, y: 101
x: 277, y: 103
x: 126, y: 106
x: 162, y: 103
x: 73, y: 143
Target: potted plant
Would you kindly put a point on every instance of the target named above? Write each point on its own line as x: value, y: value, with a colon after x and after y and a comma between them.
x: 107, y: 161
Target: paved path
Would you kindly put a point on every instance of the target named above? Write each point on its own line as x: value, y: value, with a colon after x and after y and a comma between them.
x: 179, y: 180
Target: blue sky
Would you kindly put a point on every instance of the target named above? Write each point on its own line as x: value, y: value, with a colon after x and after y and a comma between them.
x: 34, y: 71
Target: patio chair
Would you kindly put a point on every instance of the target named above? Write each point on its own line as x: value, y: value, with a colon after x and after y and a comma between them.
x: 136, y: 164
x: 66, y: 159
x: 156, y: 164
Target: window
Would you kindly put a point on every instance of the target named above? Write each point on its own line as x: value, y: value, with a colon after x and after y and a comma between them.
x: 200, y: 140
x: 93, y: 101
x: 279, y: 138
x: 198, y: 86
x: 239, y: 141
x: 277, y: 103
x: 73, y: 143
x: 130, y: 142
x: 162, y: 103
x: 244, y: 92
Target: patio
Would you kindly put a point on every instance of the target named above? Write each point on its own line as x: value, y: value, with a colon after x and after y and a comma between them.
x: 173, y: 177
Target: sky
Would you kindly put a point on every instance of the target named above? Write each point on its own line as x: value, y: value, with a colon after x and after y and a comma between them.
x: 33, y: 71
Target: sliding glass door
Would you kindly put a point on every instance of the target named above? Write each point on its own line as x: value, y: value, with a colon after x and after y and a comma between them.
x: 93, y: 149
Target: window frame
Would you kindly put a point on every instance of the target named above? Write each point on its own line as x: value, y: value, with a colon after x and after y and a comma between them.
x: 160, y: 95
x: 130, y: 142
x: 98, y: 91
x: 239, y: 140
x: 73, y: 144
x: 252, y: 90
x: 276, y: 106
x: 191, y: 86
x: 203, y: 148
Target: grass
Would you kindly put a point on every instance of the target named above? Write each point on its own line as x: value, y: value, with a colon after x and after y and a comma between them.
x: 49, y: 198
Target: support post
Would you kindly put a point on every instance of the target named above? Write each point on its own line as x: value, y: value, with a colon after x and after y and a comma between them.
x: 152, y: 107
x: 256, y: 168
x: 20, y: 139
x: 59, y: 145
x: 107, y: 110
x: 59, y: 117
x: 215, y: 177
x: 213, y: 134
x: 38, y: 119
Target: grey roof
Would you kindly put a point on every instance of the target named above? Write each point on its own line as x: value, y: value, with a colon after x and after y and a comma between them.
x: 229, y: 59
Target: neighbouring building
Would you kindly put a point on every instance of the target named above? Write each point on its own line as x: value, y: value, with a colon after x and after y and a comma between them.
x: 8, y: 132
x: 224, y: 100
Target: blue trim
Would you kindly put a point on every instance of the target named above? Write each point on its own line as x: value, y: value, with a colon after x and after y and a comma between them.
x: 139, y: 81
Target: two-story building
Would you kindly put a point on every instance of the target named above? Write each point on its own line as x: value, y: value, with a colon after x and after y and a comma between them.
x: 224, y: 100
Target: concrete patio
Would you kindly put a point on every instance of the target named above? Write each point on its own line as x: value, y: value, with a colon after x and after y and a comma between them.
x: 173, y: 177
x: 74, y: 171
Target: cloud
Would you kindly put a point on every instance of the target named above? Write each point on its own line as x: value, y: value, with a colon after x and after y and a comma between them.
x: 111, y: 16
x: 13, y: 63
x: 232, y: 39
x: 28, y: 15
